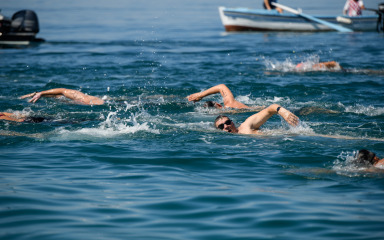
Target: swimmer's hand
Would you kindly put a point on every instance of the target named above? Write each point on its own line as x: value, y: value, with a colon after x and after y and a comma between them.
x: 195, y: 97
x: 289, y: 117
x: 28, y: 95
x: 34, y: 96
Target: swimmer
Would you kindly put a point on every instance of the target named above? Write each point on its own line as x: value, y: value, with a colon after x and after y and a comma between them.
x: 228, y: 98
x: 74, y: 95
x: 314, y: 110
x: 309, y: 66
x: 252, y: 124
x: 332, y: 65
x: 369, y: 158
x: 12, y: 117
x: 231, y: 102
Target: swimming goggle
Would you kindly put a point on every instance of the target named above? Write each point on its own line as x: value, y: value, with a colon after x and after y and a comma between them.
x: 221, y: 126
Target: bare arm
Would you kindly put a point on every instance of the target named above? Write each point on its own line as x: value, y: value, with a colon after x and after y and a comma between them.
x: 254, y: 122
x: 221, y: 88
x: 268, y: 6
x: 266, y: 2
x: 49, y: 93
x: 380, y: 163
x: 327, y: 65
x: 9, y: 117
x: 77, y: 96
x: 228, y: 98
x: 345, y: 9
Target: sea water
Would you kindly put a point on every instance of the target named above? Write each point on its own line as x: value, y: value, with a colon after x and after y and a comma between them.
x: 150, y: 165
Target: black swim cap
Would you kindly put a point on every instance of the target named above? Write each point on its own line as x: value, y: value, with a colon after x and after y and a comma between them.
x: 34, y: 119
x: 365, y: 156
x: 209, y: 104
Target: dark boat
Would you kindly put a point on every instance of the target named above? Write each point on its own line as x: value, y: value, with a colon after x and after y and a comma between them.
x: 20, y: 30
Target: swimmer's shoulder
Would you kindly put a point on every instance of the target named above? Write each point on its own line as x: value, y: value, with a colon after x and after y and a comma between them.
x: 380, y: 164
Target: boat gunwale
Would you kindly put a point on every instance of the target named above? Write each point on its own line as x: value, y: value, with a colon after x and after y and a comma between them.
x: 269, y: 13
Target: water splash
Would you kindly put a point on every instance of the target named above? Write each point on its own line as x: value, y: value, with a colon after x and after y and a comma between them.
x: 308, y: 64
x: 115, y: 125
x: 345, y: 164
x: 365, y: 110
x: 274, y: 65
x: 26, y: 112
x: 286, y: 129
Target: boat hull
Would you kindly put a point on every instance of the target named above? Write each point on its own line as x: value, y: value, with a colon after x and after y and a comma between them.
x: 243, y: 19
x: 16, y: 40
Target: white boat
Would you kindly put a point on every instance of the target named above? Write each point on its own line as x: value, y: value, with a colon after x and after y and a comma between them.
x: 245, y: 19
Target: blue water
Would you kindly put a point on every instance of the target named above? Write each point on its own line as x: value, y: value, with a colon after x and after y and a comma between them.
x: 150, y: 165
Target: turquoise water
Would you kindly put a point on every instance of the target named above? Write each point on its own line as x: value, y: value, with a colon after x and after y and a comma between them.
x: 150, y: 165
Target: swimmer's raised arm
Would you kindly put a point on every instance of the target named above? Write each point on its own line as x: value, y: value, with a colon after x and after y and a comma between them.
x: 77, y: 96
x: 221, y: 88
x: 228, y: 98
x: 48, y: 93
x: 253, y: 123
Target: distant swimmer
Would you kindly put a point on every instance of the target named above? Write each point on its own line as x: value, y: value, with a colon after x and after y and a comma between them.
x: 332, y: 65
x: 252, y: 124
x: 13, y: 117
x: 314, y: 110
x: 78, y: 97
x: 228, y: 98
x: 366, y: 157
x: 268, y: 5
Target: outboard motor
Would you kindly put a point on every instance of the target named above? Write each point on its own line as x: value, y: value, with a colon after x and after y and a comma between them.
x: 22, y: 27
x: 25, y: 21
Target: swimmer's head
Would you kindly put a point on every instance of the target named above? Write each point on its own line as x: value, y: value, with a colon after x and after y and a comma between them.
x: 365, y: 157
x: 212, y: 104
x: 225, y: 124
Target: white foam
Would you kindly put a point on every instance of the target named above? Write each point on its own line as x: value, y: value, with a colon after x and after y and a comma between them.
x: 112, y: 127
x: 344, y: 165
x: 23, y: 113
x: 128, y: 106
x: 274, y: 65
x: 301, y: 129
x: 365, y: 110
x: 245, y: 99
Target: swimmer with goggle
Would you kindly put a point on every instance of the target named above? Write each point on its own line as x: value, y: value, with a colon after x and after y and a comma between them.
x: 253, y: 123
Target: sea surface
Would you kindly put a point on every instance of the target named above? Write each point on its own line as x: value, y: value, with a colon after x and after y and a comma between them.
x: 148, y: 164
